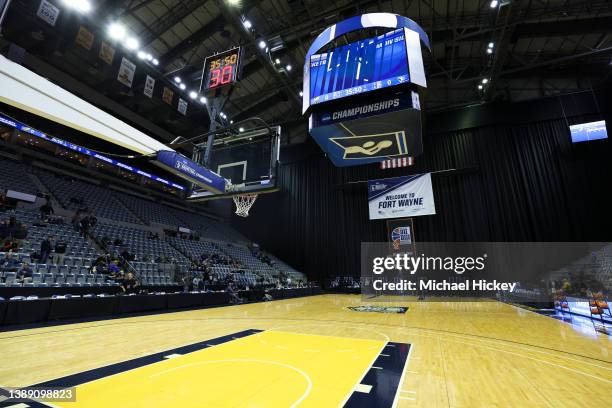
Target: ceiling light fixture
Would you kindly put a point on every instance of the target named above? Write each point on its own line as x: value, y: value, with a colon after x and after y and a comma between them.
x: 116, y: 31
x: 131, y: 43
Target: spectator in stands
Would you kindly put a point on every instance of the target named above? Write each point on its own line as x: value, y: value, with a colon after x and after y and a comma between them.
x: 114, y: 270
x: 13, y: 229
x: 84, y: 226
x: 129, y: 283
x: 46, y: 210
x: 100, y: 265
x: 45, y: 249
x: 9, y: 263
x: 59, y: 252
x: 3, y: 202
x: 233, y: 293
x: 10, y: 245
x: 76, y: 220
x: 24, y: 274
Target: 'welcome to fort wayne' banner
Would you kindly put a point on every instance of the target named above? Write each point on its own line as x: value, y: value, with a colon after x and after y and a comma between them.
x: 401, y: 197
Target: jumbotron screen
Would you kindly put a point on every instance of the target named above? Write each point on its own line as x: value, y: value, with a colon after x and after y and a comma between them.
x: 359, y: 67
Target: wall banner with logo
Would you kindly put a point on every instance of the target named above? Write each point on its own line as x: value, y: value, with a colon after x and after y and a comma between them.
x: 182, y: 106
x: 126, y: 72
x: 149, y: 86
x: 397, y: 197
x: 107, y: 53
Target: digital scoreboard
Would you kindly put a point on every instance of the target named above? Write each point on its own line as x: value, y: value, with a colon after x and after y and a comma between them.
x: 221, y: 69
x: 359, y: 67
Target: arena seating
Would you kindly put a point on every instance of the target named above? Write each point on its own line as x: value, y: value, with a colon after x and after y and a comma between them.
x: 127, y: 218
x: 95, y: 198
x: 14, y: 176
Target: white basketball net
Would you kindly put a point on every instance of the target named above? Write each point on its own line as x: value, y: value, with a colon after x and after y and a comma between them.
x: 244, y: 203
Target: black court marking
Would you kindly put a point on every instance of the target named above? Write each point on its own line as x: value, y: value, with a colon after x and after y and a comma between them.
x: 384, y: 379
x: 98, y: 373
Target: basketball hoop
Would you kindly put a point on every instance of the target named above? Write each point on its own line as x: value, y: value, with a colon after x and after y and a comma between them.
x: 244, y: 202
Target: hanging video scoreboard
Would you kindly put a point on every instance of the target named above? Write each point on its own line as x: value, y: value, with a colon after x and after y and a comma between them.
x: 221, y: 69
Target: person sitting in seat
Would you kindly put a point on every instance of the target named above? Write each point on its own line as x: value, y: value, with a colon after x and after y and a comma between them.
x: 233, y: 293
x: 114, y: 271
x: 10, y: 245
x: 129, y: 284
x: 8, y: 263
x: 24, y: 274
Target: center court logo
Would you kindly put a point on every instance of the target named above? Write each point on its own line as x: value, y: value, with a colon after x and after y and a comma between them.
x: 379, y: 309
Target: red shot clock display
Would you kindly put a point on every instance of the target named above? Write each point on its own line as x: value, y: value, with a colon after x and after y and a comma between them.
x: 221, y: 69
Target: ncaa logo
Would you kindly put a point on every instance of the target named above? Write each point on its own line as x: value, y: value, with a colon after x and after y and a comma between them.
x: 401, y: 236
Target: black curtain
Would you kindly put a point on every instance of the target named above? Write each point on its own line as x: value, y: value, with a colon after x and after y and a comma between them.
x: 524, y: 182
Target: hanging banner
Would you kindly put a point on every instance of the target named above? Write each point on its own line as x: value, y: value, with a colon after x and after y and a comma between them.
x: 167, y: 95
x: 182, y: 106
x: 48, y: 12
x: 401, y: 197
x: 126, y: 72
x: 85, y: 38
x: 149, y: 86
x: 107, y: 53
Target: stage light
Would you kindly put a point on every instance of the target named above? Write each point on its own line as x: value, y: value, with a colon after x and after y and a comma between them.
x: 182, y: 86
x: 141, y: 55
x: 289, y: 67
x: 193, y: 94
x: 131, y: 43
x: 116, y: 31
x: 155, y: 61
x: 491, y: 45
x: 149, y: 57
x: 241, y: 130
x: 494, y: 3
x: 277, y: 61
x: 231, y: 122
x: 485, y: 80
x: 177, y: 79
x: 203, y: 99
x: 262, y: 44
x: 489, y: 50
x: 247, y: 24
x: 480, y: 87
x: 301, y: 93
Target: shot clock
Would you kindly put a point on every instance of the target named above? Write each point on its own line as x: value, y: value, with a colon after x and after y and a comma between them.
x: 221, y: 69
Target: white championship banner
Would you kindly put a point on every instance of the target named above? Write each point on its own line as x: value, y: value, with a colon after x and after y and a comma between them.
x: 401, y: 197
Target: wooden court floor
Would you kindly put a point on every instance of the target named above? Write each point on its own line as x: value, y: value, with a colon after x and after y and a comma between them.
x: 484, y: 354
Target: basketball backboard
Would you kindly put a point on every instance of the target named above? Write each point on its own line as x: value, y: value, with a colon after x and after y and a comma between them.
x: 248, y: 160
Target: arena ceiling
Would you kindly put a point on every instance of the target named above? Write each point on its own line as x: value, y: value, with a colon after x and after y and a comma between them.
x: 540, y: 48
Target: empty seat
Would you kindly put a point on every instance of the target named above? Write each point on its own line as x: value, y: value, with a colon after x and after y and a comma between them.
x: 70, y: 279
x: 9, y: 278
x: 81, y: 279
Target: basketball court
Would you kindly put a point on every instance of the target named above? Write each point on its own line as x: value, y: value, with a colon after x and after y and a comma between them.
x: 279, y: 203
x: 317, y: 352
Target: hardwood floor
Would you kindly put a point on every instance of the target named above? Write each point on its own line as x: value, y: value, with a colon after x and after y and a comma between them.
x: 478, y: 354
